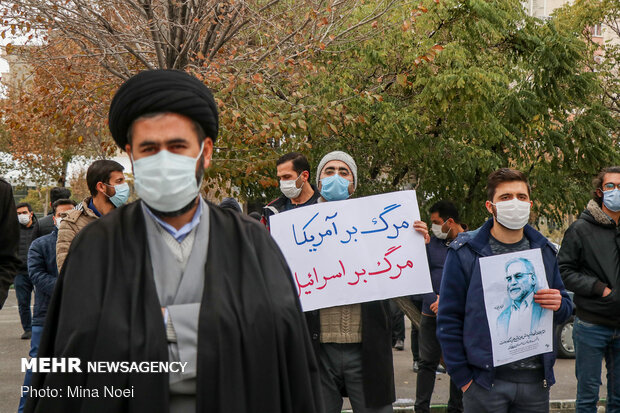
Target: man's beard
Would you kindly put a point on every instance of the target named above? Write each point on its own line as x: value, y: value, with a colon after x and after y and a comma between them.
x: 199, y: 174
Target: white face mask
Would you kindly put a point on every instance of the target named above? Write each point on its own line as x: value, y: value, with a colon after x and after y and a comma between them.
x: 23, y: 219
x: 289, y: 188
x: 166, y: 181
x: 513, y: 214
x: 436, y: 228
x: 58, y: 221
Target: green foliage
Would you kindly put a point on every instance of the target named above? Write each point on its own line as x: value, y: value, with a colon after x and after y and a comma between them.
x: 439, y: 101
x: 36, y: 199
x: 431, y: 95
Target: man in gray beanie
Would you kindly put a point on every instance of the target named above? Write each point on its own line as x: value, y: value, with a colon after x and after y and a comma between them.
x: 334, y: 169
x: 353, y: 343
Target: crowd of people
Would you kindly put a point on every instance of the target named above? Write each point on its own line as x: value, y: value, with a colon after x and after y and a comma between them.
x: 172, y: 277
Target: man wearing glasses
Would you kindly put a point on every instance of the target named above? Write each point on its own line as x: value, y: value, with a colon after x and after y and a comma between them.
x: 590, y: 266
x: 521, y: 285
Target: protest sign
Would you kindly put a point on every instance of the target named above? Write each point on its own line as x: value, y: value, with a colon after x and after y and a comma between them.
x: 353, y: 251
x: 519, y: 327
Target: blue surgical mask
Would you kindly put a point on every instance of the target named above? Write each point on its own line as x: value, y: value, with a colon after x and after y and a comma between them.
x: 121, y: 196
x: 166, y: 181
x: 611, y: 199
x: 335, y: 188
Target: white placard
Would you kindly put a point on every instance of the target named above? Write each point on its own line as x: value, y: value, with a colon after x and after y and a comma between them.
x: 353, y: 251
x: 520, y: 327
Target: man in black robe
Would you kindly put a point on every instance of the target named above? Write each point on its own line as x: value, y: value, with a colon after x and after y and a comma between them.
x: 117, y: 299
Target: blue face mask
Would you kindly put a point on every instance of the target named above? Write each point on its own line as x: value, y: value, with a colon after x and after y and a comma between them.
x: 611, y: 199
x: 121, y: 196
x: 334, y: 188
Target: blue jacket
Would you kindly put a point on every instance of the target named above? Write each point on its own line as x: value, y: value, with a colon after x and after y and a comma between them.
x: 462, y: 326
x: 436, y: 252
x: 43, y: 273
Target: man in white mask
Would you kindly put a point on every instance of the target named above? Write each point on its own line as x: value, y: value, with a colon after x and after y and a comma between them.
x: 175, y: 280
x: 293, y: 171
x: 446, y: 226
x: 523, y: 385
x: 23, y: 286
x: 43, y: 273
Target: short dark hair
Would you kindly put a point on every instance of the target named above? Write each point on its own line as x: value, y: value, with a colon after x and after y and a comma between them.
x: 200, y: 132
x: 24, y: 204
x: 60, y: 202
x: 598, y: 182
x: 504, y: 175
x: 100, y: 171
x: 446, y: 210
x: 300, y: 162
x: 59, y: 192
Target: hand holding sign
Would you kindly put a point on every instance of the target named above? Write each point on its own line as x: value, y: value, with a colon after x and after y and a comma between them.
x: 422, y: 228
x: 358, y: 250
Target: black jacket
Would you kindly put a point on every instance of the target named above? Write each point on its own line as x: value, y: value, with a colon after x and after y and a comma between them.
x: 254, y: 353
x: 45, y: 226
x: 590, y: 261
x: 279, y: 205
x: 9, y: 239
x: 25, y: 239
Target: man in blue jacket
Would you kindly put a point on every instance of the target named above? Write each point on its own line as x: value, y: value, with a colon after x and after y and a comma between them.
x: 43, y: 273
x: 462, y: 325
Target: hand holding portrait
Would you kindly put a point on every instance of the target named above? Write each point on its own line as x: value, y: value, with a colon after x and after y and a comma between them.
x: 549, y: 298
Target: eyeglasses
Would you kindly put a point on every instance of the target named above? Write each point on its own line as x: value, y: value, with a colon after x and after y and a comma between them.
x: 609, y: 186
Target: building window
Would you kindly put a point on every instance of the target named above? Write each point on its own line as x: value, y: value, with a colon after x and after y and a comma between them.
x: 597, y: 30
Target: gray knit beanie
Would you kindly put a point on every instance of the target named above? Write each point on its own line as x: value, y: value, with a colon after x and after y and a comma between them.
x: 338, y: 156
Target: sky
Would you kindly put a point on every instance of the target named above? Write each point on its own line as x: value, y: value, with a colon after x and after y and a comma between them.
x: 4, y: 67
x: 79, y: 164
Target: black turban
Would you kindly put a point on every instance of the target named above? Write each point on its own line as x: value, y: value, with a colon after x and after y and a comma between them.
x: 162, y: 91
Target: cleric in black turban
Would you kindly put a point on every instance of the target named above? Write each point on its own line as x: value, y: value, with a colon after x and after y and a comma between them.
x: 208, y: 287
x: 160, y: 91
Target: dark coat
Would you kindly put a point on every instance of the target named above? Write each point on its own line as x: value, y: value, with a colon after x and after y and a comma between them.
x: 590, y: 261
x: 436, y: 252
x: 462, y: 325
x: 43, y: 273
x: 254, y: 353
x: 45, y: 226
x: 377, y: 364
x: 25, y: 239
x: 9, y: 239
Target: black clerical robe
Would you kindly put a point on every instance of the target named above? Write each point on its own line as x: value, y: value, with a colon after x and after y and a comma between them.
x: 254, y: 352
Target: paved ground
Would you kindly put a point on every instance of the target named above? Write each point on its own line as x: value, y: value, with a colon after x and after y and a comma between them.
x: 12, y: 349
x: 565, y: 388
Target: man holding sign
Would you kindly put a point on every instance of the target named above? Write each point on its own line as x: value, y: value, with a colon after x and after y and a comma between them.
x: 352, y: 342
x: 466, y: 325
